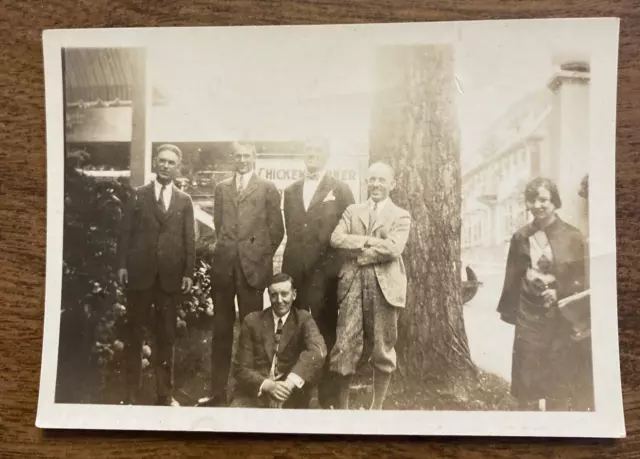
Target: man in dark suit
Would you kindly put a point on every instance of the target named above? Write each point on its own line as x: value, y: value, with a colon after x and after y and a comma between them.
x: 312, y: 209
x: 280, y: 353
x: 156, y: 262
x: 249, y: 230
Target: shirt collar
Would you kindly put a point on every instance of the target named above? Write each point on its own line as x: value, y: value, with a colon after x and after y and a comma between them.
x: 381, y: 204
x: 319, y: 174
x: 246, y: 176
x: 284, y: 317
x: 159, y: 185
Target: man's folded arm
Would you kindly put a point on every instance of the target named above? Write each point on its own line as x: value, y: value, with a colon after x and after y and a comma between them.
x: 341, y: 237
x: 380, y: 250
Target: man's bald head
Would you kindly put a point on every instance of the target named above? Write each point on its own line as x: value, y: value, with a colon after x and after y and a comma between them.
x: 378, y: 166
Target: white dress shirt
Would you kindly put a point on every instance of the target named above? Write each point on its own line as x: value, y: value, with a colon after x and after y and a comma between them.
x: 309, y: 187
x: 245, y: 179
x: 276, y: 318
x: 380, y: 206
x: 539, y: 247
x: 292, y: 378
x: 168, y: 191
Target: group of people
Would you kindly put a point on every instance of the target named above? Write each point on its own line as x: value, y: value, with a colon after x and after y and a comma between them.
x: 333, y: 307
x: 335, y: 304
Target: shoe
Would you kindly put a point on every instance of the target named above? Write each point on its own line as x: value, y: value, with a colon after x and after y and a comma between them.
x: 167, y: 401
x: 214, y: 401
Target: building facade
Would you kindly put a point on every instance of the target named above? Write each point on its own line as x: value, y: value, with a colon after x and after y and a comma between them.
x: 545, y: 134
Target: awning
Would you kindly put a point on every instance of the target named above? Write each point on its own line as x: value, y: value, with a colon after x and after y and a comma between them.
x: 101, y: 77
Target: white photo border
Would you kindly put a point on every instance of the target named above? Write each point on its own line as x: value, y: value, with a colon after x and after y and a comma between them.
x: 608, y: 418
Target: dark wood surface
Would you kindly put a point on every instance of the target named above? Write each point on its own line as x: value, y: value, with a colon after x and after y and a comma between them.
x: 23, y: 218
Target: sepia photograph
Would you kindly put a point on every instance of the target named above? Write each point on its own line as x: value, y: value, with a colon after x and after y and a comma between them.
x: 399, y: 229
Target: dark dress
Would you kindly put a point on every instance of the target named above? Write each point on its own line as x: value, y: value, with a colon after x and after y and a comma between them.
x: 547, y: 362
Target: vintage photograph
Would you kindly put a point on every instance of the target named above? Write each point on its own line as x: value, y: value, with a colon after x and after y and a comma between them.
x: 335, y: 227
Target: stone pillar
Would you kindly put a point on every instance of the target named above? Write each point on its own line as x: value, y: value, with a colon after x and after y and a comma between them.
x: 141, y: 112
x: 569, y: 138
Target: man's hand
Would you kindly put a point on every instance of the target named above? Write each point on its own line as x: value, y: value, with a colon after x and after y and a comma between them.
x: 366, y: 257
x: 277, y: 389
x: 550, y: 295
x: 373, y: 242
x: 123, y: 276
x: 187, y: 283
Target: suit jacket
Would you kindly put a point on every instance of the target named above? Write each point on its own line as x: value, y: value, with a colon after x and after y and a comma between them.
x: 302, y: 349
x: 387, y: 237
x: 568, y: 247
x: 309, y: 231
x: 155, y: 243
x: 249, y: 228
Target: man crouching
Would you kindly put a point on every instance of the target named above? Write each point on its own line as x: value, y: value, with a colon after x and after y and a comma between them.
x: 280, y: 353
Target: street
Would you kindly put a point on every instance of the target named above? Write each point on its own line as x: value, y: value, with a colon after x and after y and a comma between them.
x: 490, y: 339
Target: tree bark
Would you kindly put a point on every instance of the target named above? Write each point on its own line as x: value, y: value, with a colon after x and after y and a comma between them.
x: 415, y: 129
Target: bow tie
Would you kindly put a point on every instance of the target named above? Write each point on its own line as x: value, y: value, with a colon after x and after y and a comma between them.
x: 313, y: 176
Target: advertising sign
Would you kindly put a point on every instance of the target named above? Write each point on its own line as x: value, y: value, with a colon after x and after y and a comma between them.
x: 285, y: 170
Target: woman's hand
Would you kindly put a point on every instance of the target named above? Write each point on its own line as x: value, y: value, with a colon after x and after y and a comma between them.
x: 550, y: 296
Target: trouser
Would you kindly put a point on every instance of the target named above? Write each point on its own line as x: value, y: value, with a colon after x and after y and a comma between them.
x: 318, y: 294
x: 250, y: 299
x: 367, y: 328
x: 161, y: 319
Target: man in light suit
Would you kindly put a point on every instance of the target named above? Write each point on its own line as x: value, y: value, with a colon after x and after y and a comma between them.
x: 372, y: 285
x: 280, y: 353
x: 312, y: 208
x: 156, y: 252
x: 249, y: 230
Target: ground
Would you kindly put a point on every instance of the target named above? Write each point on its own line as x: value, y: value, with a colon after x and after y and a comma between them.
x: 490, y: 339
x: 491, y: 352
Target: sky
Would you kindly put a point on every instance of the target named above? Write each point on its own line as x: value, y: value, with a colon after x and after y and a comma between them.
x: 286, y: 85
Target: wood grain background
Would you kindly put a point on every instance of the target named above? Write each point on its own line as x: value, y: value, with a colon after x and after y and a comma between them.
x: 22, y: 224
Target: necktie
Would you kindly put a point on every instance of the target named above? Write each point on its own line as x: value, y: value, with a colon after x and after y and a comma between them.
x: 274, y: 363
x: 240, y: 184
x: 373, y: 213
x: 161, y: 198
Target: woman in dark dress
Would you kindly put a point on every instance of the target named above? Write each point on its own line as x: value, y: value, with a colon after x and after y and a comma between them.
x: 546, y: 263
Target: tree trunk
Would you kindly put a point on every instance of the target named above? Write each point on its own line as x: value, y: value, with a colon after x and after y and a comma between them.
x: 415, y: 129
